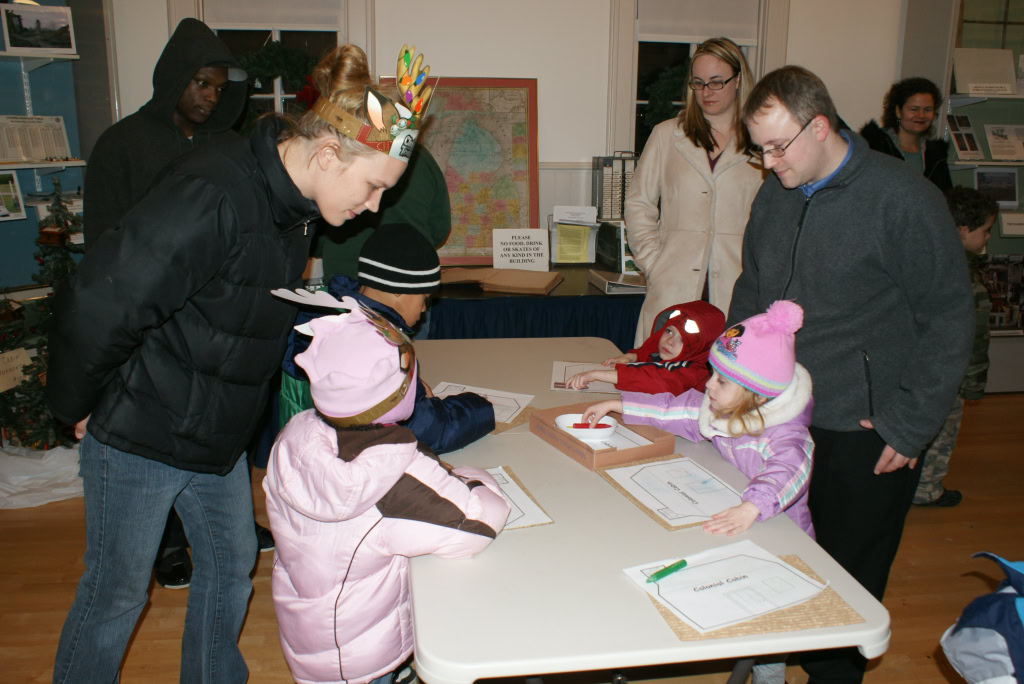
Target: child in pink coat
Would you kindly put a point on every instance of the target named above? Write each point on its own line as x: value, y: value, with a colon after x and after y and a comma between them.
x: 351, y: 497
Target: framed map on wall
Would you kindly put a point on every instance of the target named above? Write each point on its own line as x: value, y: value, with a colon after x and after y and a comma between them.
x: 483, y: 135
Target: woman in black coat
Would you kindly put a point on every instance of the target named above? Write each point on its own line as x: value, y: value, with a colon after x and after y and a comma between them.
x: 909, y: 112
x: 164, y: 342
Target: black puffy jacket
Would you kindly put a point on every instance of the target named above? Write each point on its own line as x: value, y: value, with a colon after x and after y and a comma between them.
x: 935, y: 154
x: 168, y: 334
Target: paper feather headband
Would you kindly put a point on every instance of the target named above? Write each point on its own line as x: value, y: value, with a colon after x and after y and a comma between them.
x: 389, y: 127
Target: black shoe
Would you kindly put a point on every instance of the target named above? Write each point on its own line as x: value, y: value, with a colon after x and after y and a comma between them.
x: 949, y: 498
x: 173, y: 570
x: 264, y: 539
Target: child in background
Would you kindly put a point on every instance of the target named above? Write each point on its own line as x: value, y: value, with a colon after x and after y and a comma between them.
x: 755, y: 411
x: 351, y: 498
x: 398, y: 271
x: 673, y: 359
x: 973, y: 213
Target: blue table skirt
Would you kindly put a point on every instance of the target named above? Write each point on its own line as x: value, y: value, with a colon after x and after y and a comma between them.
x: 611, y: 317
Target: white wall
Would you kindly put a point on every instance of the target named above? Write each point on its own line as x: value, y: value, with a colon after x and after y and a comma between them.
x: 140, y: 33
x: 562, y: 43
x: 853, y: 46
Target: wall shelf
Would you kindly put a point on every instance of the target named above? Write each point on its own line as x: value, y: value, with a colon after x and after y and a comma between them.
x: 33, y: 59
x: 56, y: 166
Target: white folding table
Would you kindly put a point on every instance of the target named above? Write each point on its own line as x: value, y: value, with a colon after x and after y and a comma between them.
x: 553, y: 598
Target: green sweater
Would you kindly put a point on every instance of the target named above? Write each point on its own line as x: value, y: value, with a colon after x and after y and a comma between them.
x: 420, y: 198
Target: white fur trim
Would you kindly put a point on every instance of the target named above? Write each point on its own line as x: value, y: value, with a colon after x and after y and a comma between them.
x: 782, y: 409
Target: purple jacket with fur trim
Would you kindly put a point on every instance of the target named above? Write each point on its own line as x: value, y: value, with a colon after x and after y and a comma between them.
x: 777, y: 461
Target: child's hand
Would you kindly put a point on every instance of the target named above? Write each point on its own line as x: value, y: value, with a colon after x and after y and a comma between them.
x: 579, y: 381
x: 733, y: 520
x: 621, y: 358
x: 595, y: 413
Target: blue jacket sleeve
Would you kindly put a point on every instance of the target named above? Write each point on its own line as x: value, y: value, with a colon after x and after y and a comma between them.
x: 451, y: 423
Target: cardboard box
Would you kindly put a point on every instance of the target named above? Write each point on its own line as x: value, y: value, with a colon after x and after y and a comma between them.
x: 504, y: 279
x: 542, y: 424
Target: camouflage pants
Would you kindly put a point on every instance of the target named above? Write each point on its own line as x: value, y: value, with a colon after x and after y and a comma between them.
x: 935, y: 463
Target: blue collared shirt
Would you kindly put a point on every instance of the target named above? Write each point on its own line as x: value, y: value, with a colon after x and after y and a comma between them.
x: 811, y: 188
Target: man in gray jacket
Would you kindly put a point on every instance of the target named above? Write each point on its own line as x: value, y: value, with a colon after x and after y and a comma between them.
x: 868, y: 249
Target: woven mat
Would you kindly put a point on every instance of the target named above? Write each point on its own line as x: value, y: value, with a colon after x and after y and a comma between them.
x: 521, y: 419
x: 622, y: 490
x: 827, y: 609
x: 512, y: 476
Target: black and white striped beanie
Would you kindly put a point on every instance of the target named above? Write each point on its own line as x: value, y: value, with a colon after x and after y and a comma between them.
x: 398, y: 258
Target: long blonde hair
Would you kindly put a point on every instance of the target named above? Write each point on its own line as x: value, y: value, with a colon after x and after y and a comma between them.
x: 744, y: 418
x: 691, y: 117
x: 341, y: 76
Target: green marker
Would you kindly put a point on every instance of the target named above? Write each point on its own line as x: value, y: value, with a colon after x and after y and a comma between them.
x: 666, y: 571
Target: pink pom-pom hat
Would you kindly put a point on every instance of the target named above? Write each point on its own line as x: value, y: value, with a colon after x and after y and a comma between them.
x: 759, y: 352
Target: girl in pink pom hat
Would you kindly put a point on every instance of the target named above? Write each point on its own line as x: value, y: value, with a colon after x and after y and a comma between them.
x: 755, y: 411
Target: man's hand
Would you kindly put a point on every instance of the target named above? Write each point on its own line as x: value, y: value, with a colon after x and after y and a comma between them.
x: 891, y: 459
x: 426, y: 388
x: 80, y: 428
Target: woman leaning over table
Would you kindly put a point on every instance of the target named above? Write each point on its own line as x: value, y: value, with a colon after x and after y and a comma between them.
x: 164, y: 341
x: 698, y: 168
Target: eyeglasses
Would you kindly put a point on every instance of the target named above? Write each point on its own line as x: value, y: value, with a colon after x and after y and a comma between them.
x: 780, y: 151
x: 698, y: 85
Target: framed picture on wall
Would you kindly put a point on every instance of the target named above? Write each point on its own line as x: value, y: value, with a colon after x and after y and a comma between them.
x: 12, y: 205
x: 34, y: 28
x: 999, y: 183
x: 484, y: 138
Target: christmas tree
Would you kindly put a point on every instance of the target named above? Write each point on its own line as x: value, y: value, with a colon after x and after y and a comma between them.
x: 24, y: 415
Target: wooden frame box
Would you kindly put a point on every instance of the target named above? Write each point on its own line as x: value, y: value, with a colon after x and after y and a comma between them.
x: 542, y: 424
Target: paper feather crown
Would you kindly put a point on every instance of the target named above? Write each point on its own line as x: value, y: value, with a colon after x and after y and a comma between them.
x: 389, y: 127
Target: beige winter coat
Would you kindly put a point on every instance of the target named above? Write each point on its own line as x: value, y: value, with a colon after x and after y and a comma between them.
x: 701, y: 223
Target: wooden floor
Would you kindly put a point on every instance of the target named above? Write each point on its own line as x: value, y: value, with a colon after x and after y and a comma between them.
x: 933, y: 578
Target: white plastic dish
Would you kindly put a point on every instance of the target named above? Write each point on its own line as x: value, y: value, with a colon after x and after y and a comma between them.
x: 567, y: 420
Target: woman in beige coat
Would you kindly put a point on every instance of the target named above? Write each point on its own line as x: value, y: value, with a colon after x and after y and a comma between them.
x: 697, y: 167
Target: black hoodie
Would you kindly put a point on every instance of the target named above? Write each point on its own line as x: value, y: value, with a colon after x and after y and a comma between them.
x: 130, y: 154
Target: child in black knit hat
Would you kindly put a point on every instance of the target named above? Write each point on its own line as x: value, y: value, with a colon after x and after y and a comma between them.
x: 398, y: 271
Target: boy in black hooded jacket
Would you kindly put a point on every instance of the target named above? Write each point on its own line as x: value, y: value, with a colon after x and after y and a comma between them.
x: 199, y: 91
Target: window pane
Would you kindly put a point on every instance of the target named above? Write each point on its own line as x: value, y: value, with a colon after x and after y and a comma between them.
x: 982, y: 36
x: 984, y: 10
x: 1015, y: 42
x: 256, y: 107
x: 312, y: 44
x: 244, y: 44
x: 1016, y: 11
x: 292, y: 107
x: 653, y: 59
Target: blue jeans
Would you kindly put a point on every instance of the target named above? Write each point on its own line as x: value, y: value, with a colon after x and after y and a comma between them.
x: 127, y: 499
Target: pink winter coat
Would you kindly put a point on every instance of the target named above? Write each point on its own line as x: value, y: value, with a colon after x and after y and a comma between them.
x: 345, y: 525
x: 777, y: 461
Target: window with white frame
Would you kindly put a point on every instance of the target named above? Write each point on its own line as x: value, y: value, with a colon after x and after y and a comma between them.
x: 280, y: 38
x: 992, y: 24
x: 291, y: 53
x: 668, y: 32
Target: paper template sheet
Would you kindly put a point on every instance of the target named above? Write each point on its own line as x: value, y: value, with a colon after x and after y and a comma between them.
x: 726, y: 585
x: 525, y: 511
x: 678, y: 491
x: 507, y: 405
x: 561, y: 371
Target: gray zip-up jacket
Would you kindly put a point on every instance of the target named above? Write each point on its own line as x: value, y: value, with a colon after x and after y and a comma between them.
x: 874, y: 260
